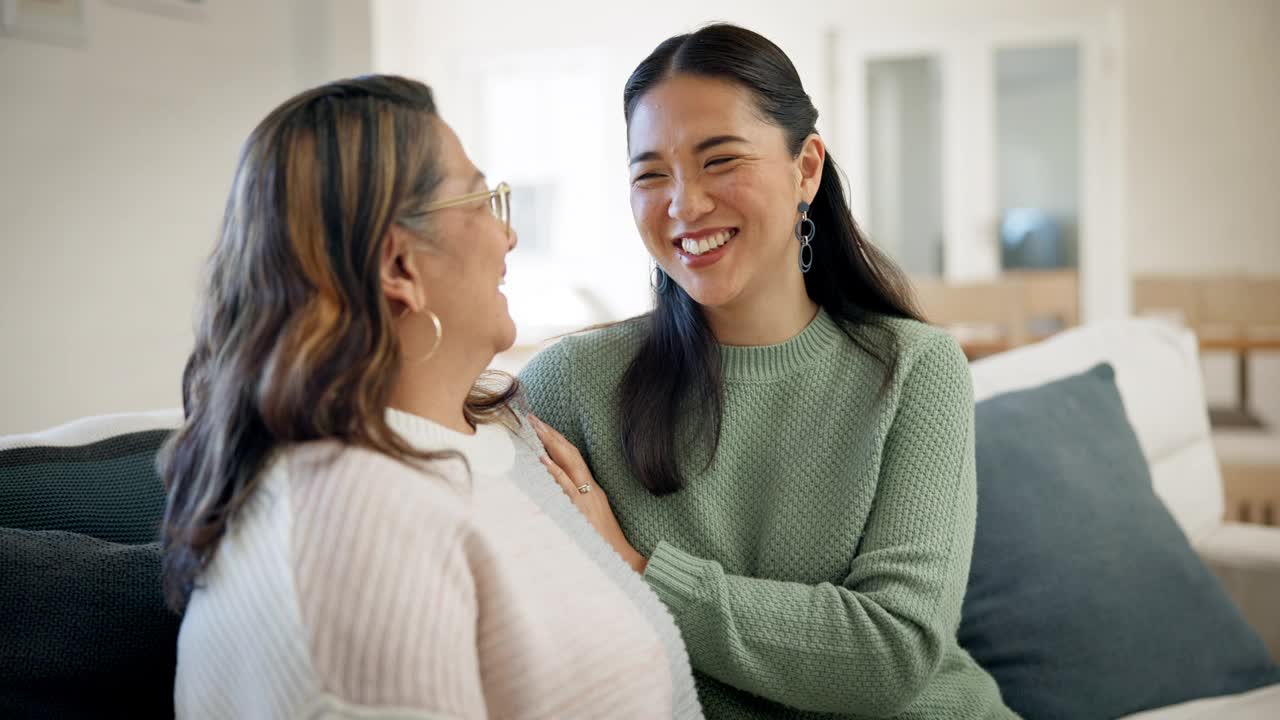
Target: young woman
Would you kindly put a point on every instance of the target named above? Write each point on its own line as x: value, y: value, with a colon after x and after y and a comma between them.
x: 788, y: 448
x: 354, y: 527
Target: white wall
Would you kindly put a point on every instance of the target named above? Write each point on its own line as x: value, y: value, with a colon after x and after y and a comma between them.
x: 115, y: 161
x: 1201, y: 103
x: 115, y: 158
x: 1201, y: 119
x: 1204, y: 140
x: 1194, y: 124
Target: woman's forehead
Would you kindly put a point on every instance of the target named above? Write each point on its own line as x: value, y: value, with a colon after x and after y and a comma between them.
x: 459, y: 172
x: 683, y: 111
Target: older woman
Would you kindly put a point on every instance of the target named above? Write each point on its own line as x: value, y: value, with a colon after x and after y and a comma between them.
x: 355, y: 526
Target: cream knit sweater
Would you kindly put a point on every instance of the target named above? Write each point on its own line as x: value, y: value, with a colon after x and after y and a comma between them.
x: 354, y: 586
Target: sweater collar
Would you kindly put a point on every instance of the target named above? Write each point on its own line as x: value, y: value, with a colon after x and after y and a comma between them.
x: 764, y: 362
x: 489, y: 451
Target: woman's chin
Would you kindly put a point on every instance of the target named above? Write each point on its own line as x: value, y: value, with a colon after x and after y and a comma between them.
x: 506, y: 337
x: 710, y: 294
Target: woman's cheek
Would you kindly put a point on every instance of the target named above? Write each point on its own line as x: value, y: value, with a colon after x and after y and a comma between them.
x: 727, y: 187
x: 646, y: 209
x: 745, y: 197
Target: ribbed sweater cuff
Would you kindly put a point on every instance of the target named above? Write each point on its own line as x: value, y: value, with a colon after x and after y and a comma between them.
x: 675, y: 575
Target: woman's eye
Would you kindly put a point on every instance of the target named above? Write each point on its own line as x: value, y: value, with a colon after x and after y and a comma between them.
x: 647, y: 176
x: 719, y: 161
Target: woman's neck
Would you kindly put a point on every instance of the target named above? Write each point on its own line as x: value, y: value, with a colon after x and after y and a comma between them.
x: 763, y: 318
x: 438, y: 390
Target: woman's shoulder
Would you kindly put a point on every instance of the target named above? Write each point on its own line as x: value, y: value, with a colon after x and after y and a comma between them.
x: 915, y: 337
x: 920, y: 354
x: 361, y: 519
x: 930, y: 361
x: 369, y: 530
x: 329, y: 476
x: 602, y: 351
x: 619, y: 339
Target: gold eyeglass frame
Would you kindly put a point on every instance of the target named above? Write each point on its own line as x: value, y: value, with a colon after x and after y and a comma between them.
x: 502, y: 193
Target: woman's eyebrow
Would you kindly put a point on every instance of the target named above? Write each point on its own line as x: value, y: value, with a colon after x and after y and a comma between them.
x: 700, y: 147
x: 644, y: 157
x: 717, y: 140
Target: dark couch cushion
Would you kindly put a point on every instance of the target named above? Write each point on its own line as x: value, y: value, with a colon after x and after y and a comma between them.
x: 85, y: 631
x: 107, y: 489
x: 1085, y: 599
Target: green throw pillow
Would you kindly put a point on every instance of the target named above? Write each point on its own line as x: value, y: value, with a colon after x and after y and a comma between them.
x: 86, y: 633
x: 107, y: 489
x: 1085, y: 599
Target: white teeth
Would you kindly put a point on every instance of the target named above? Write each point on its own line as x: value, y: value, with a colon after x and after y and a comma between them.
x: 707, y: 244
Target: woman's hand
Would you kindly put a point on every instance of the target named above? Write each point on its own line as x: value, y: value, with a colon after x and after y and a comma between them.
x: 566, y: 465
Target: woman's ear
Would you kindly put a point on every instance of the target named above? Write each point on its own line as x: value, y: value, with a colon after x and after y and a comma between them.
x: 401, y: 280
x: 810, y: 161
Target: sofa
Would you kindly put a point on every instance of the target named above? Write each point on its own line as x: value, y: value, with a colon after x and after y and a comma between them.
x: 1158, y: 375
x: 1156, y: 372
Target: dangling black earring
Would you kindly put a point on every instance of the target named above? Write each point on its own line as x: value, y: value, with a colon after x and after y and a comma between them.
x: 658, y: 279
x: 805, y: 230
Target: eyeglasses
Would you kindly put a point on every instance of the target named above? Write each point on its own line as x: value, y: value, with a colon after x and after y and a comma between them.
x: 499, y: 203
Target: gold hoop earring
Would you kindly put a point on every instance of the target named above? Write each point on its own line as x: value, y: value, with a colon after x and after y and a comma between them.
x: 435, y: 323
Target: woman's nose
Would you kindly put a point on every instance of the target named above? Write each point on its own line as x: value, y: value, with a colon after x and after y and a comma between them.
x: 689, y: 202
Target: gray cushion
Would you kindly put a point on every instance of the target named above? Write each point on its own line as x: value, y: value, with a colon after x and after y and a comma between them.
x: 1085, y: 600
x: 107, y: 489
x: 85, y: 630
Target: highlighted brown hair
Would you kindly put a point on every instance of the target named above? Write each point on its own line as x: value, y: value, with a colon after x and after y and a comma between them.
x: 295, y: 340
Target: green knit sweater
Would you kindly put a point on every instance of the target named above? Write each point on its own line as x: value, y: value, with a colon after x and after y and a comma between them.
x: 819, y: 563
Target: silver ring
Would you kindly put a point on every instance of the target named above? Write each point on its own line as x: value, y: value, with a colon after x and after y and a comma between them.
x: 584, y: 489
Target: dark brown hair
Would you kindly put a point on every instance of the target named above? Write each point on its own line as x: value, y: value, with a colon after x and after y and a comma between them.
x: 295, y: 340
x: 677, y: 368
